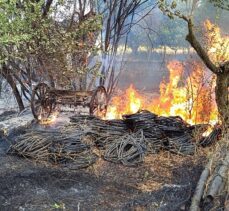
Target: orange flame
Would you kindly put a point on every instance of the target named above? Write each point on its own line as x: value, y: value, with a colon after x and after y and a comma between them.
x: 50, y: 120
x: 190, y: 97
x: 128, y: 103
x: 218, y: 45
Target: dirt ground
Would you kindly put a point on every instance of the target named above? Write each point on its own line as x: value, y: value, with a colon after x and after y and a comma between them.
x: 165, y: 182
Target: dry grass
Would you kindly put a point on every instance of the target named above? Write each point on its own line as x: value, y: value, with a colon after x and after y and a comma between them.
x: 157, y: 171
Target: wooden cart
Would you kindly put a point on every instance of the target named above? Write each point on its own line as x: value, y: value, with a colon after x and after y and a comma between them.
x: 44, y: 100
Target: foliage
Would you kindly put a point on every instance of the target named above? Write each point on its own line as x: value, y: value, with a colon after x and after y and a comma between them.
x: 222, y: 4
x: 62, y: 46
x: 172, y: 33
x: 26, y: 33
x: 16, y: 26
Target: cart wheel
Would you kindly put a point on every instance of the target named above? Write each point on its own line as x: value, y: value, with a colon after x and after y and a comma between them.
x: 40, y: 106
x: 98, y: 104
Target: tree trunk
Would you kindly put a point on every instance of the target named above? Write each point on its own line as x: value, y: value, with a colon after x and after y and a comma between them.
x: 83, y: 82
x: 222, y: 98
x: 12, y: 84
x: 104, y: 69
x: 0, y: 87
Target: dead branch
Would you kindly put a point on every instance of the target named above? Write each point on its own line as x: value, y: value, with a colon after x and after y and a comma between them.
x: 212, y: 180
x: 195, y: 206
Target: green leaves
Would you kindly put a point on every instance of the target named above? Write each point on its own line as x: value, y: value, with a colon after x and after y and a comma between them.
x: 57, y: 44
x: 17, y: 25
x: 173, y: 5
x: 222, y: 4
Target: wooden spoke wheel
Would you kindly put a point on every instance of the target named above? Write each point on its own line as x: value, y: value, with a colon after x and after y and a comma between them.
x: 98, y: 104
x: 40, y: 103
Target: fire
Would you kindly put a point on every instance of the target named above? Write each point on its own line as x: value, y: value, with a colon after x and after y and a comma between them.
x: 207, y: 132
x: 50, y: 120
x: 218, y: 45
x: 189, y: 97
x: 172, y: 100
x: 129, y: 103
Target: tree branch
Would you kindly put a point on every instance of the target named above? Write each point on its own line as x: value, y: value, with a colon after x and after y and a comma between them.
x: 191, y: 38
x: 46, y: 8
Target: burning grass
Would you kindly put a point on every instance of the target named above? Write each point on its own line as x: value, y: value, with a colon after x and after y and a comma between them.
x: 188, y: 96
x: 48, y: 121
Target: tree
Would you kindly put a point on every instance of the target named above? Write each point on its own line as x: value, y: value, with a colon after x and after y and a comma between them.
x: 221, y: 69
x: 172, y: 33
x: 14, y: 20
x: 119, y: 16
x: 37, y: 43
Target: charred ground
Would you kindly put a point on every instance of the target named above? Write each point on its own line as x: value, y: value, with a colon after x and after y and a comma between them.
x: 164, y: 182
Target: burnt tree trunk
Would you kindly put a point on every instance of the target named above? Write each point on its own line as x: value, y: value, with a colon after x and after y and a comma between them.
x: 9, y: 78
x: 1, y: 82
x: 222, y: 98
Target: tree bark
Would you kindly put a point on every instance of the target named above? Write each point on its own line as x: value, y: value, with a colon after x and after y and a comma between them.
x: 46, y: 8
x: 0, y: 87
x: 222, y: 98
x: 6, y: 74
